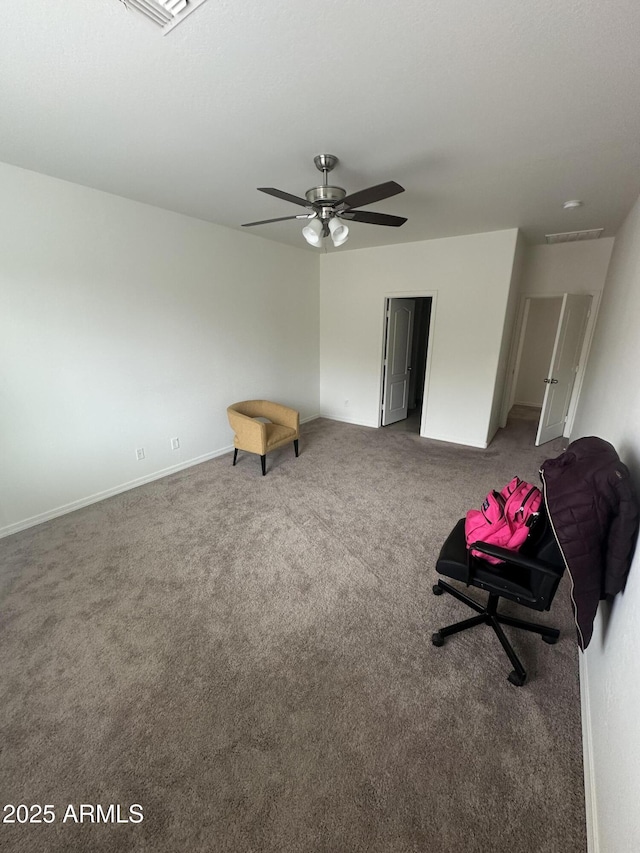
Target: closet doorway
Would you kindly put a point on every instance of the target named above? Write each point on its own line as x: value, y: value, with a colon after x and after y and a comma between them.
x: 405, y: 361
x: 550, y: 350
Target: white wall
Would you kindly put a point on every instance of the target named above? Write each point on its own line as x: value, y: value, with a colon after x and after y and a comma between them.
x: 500, y: 390
x: 579, y: 267
x: 469, y: 278
x: 610, y: 407
x: 123, y: 326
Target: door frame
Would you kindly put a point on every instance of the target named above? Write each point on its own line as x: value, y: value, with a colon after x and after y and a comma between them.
x: 409, y: 294
x: 518, y: 343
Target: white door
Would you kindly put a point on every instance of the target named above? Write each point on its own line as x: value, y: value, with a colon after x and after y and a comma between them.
x: 564, y: 366
x: 397, y: 360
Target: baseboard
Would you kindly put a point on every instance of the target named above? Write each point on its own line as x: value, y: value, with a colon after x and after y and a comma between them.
x: 10, y: 529
x: 528, y: 405
x: 448, y: 439
x: 593, y: 843
x: 452, y: 440
x: 344, y: 420
x: 108, y: 493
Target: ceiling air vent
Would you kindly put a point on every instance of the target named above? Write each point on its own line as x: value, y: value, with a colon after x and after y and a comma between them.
x: 573, y: 236
x: 164, y: 13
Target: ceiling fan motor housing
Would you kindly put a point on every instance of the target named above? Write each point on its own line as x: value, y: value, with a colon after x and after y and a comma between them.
x: 324, y: 198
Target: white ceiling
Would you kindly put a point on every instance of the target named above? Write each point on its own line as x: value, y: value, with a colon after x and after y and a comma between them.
x: 490, y: 113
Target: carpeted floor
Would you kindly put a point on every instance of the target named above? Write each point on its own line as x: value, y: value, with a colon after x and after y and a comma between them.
x: 249, y: 659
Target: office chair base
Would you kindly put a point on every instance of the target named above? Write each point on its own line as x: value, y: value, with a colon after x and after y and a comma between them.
x: 489, y: 616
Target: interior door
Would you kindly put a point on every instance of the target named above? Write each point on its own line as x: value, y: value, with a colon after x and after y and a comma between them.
x: 397, y: 360
x: 564, y: 366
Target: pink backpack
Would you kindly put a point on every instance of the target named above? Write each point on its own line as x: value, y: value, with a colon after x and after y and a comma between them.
x: 505, y: 518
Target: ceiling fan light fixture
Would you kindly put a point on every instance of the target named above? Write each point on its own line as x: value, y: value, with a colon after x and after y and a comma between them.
x: 339, y: 231
x: 312, y: 232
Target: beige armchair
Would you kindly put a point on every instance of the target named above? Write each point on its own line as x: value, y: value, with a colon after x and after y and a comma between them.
x: 256, y: 436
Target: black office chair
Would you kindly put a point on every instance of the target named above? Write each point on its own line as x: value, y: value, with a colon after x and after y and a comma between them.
x: 529, y: 576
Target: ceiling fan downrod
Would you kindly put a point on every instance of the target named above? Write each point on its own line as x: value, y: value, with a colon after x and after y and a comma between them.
x: 325, y: 196
x: 325, y: 163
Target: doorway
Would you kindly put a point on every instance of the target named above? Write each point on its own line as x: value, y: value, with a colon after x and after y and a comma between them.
x: 405, y: 356
x: 550, y: 350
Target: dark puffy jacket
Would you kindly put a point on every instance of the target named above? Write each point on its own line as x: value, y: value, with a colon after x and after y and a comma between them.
x: 591, y: 502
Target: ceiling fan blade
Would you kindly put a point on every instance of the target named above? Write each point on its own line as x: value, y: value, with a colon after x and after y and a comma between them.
x: 371, y: 194
x: 284, y: 196
x: 373, y: 218
x: 278, y: 219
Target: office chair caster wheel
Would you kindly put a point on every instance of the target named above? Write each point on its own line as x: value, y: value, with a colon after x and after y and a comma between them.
x: 437, y: 590
x: 551, y: 640
x: 516, y: 679
x: 437, y: 639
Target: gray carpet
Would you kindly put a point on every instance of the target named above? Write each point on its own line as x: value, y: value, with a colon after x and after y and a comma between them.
x: 249, y: 659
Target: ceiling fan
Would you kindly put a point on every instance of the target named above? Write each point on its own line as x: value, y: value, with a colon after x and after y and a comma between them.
x: 329, y: 208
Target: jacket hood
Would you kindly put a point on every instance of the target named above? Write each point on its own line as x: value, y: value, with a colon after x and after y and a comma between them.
x: 583, y: 448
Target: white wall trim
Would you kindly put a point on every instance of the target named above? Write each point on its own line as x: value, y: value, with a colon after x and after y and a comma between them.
x: 411, y: 294
x: 449, y: 440
x: 446, y: 439
x: 108, y: 493
x: 427, y: 369
x: 525, y: 403
x: 407, y: 294
x: 342, y: 419
x: 590, y: 801
x: 10, y: 529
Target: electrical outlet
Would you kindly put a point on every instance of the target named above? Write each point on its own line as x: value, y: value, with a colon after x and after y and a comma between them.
x: 140, y: 454
x: 175, y: 443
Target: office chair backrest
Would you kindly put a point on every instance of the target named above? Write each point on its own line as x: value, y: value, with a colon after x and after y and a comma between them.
x: 541, y: 543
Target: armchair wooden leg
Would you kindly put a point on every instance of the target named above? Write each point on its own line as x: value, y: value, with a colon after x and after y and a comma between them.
x: 235, y: 455
x: 295, y: 446
x: 263, y: 460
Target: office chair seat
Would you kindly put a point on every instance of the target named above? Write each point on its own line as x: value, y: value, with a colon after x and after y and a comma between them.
x: 529, y: 577
x: 452, y: 562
